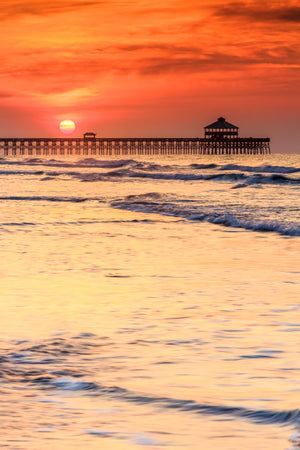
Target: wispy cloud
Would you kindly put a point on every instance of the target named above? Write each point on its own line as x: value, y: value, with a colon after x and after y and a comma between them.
x: 57, y: 73
x: 12, y: 8
x: 259, y: 12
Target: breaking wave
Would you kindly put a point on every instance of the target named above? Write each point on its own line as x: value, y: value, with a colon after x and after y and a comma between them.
x: 21, y: 172
x: 113, y: 170
x: 260, y: 169
x: 229, y: 177
x: 87, y: 162
x: 163, y: 204
x: 115, y: 163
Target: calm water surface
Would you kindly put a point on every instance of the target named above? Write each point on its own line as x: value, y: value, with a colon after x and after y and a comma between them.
x: 150, y: 303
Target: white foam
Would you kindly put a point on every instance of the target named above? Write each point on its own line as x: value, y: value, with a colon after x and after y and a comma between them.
x: 239, y: 218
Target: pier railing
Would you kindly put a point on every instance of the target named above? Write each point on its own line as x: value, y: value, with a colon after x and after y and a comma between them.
x: 132, y: 146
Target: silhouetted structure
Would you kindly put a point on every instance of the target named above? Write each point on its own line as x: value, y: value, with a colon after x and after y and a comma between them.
x: 89, y: 136
x: 221, y: 138
x: 221, y: 130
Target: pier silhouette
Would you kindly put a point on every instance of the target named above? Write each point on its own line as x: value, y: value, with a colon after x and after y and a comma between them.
x: 221, y: 138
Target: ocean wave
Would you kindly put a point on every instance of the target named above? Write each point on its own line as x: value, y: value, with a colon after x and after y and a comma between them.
x: 203, y: 166
x: 86, y: 162
x: 70, y: 383
x: 295, y: 440
x: 257, y: 416
x: 162, y: 204
x: 261, y: 169
x: 21, y: 172
x: 227, y: 177
x: 148, y: 165
x: 34, y: 198
x: 91, y: 162
x: 50, y: 365
x: 113, y: 170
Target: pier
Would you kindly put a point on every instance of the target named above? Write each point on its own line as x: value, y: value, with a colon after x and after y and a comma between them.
x: 221, y: 138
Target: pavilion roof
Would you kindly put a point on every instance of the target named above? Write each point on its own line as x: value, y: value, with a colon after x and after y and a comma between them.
x: 221, y: 123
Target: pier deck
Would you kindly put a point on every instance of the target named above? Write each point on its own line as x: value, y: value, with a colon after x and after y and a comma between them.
x: 133, y: 146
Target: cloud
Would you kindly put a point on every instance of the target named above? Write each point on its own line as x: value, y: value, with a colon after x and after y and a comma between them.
x: 151, y: 46
x: 155, y: 57
x: 11, y: 9
x: 109, y: 40
x: 58, y: 74
x: 220, y: 62
x: 258, y: 12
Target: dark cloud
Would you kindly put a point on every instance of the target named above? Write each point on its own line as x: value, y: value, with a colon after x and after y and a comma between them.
x: 165, y: 57
x: 150, y: 47
x: 203, y: 63
x: 63, y: 74
x: 14, y: 8
x: 258, y: 12
x: 53, y: 74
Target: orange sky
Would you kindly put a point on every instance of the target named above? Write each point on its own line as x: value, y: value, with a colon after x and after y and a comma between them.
x: 150, y: 68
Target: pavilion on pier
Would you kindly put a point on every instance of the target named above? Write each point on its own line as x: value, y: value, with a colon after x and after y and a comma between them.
x: 221, y: 129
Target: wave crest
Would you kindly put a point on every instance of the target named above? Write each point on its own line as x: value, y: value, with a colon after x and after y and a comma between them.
x: 163, y: 204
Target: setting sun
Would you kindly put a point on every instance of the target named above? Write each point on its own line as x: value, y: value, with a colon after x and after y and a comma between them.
x: 67, y: 126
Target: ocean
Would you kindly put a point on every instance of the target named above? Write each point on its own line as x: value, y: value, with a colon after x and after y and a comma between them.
x: 150, y: 303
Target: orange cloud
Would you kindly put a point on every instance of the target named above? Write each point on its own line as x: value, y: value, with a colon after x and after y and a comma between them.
x: 131, y: 60
x: 13, y: 8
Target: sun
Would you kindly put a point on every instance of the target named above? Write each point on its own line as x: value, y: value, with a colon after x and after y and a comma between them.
x: 67, y: 126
